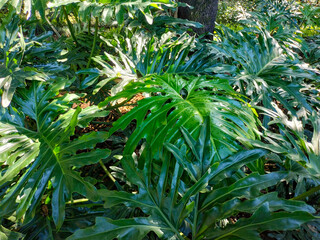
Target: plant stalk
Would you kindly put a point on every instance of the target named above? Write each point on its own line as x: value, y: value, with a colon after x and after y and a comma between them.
x: 70, y: 25
x: 78, y: 201
x: 195, y: 217
x: 107, y: 172
x: 22, y: 48
x: 110, y: 176
x: 5, y: 58
x: 52, y: 27
x: 89, y: 25
x: 307, y: 194
x: 94, y: 41
x: 180, y: 235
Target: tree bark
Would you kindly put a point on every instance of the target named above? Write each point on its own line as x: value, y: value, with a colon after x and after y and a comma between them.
x: 204, y: 11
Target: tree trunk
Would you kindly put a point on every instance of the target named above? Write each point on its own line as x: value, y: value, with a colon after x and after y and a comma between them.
x: 204, y: 11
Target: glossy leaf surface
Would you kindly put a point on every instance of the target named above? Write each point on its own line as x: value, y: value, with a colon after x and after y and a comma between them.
x: 37, y: 145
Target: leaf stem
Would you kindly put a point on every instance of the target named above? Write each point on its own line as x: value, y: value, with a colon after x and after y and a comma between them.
x: 107, y: 172
x: 52, y: 27
x: 195, y: 217
x: 178, y: 233
x: 94, y: 41
x: 22, y: 48
x: 89, y: 24
x: 5, y: 58
x: 307, y: 194
x: 78, y: 201
x: 110, y: 175
x: 70, y: 25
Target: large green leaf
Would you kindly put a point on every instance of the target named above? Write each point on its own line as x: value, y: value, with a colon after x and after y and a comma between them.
x: 246, y: 188
x: 176, y: 101
x: 106, y: 9
x: 296, y: 145
x: 37, y: 146
x: 235, y: 205
x: 261, y: 220
x: 12, y: 50
x: 166, y: 212
x: 120, y: 9
x: 14, y: 77
x: 6, y: 234
x: 175, y: 193
x: 139, y: 55
x: 136, y: 228
x: 27, y: 7
x: 25, y: 58
x: 266, y: 73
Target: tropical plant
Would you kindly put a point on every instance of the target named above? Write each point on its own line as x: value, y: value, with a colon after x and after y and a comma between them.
x: 265, y: 73
x: 12, y: 74
x: 107, y: 9
x: 286, y: 8
x: 119, y: 122
x: 185, y: 101
x: 139, y: 55
x: 231, y: 11
x: 36, y: 147
x: 163, y: 23
x: 298, y: 146
x: 26, y: 58
x: 275, y: 23
x: 312, y: 55
x: 119, y: 9
x: 310, y: 16
x: 188, y: 196
x: 7, y: 234
x: 308, y: 231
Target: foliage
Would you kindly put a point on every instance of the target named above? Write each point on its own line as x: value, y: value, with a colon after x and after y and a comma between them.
x: 297, y: 148
x: 117, y: 122
x: 107, y: 9
x: 176, y: 101
x: 284, y: 8
x: 7, y: 234
x: 13, y: 48
x: 229, y: 11
x: 185, y: 196
x: 266, y: 73
x: 310, y: 15
x: 313, y: 53
x: 42, y: 151
x: 140, y: 55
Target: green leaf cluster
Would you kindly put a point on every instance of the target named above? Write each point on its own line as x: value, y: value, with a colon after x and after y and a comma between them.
x: 118, y: 122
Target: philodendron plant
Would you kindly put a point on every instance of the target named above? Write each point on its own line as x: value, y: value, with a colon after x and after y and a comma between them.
x: 186, y: 194
x: 39, y: 161
x: 177, y: 100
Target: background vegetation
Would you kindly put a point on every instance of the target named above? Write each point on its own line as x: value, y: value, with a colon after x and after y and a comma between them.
x: 118, y: 122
